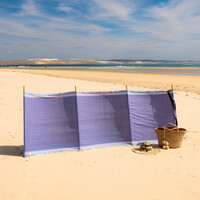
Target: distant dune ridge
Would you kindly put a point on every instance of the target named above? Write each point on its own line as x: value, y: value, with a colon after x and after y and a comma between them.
x: 45, y: 61
x: 54, y: 61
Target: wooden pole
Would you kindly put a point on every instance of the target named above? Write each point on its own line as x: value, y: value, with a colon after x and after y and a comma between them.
x: 23, y: 114
x: 75, y: 88
x: 172, y: 87
x: 126, y: 87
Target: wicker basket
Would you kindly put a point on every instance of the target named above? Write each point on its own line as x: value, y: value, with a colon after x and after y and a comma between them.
x: 173, y: 135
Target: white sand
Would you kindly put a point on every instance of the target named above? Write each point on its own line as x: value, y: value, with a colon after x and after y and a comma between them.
x: 99, y: 174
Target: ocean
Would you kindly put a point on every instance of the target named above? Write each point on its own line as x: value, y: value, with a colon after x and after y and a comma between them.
x: 155, y: 68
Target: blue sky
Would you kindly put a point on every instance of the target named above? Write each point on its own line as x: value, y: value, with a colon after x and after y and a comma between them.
x: 100, y: 29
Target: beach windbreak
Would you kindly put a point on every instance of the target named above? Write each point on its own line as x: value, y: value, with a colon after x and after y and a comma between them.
x: 83, y: 120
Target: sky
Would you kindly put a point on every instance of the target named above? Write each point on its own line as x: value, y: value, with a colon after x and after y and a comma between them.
x: 100, y: 29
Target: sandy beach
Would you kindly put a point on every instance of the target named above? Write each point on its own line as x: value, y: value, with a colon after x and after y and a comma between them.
x: 112, y: 173
x: 185, y: 83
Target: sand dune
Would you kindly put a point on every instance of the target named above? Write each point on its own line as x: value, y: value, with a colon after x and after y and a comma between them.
x: 53, y: 61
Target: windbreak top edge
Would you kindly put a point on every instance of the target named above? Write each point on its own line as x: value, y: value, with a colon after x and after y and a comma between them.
x: 72, y: 93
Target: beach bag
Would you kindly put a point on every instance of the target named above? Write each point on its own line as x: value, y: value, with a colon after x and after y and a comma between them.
x: 173, y: 135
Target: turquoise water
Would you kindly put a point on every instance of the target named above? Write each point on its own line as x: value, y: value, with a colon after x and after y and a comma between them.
x: 167, y: 68
x: 179, y: 65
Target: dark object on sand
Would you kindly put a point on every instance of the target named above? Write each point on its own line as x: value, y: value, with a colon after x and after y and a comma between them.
x: 146, y: 146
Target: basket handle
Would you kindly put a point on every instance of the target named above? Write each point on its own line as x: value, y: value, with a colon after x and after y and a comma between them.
x: 165, y: 128
x: 171, y: 124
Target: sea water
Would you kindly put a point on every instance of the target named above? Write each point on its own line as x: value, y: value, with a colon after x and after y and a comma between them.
x: 155, y: 68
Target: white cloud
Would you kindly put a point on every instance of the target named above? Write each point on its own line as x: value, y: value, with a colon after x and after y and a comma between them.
x: 63, y: 8
x: 16, y: 28
x: 112, y: 8
x: 173, y: 21
x: 47, y: 27
x: 29, y: 8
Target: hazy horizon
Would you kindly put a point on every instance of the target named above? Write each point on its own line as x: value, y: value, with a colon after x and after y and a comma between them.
x: 117, y: 59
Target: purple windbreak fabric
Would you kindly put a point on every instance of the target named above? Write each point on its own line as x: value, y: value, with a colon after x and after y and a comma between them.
x: 148, y: 111
x: 103, y: 118
x: 50, y: 123
x: 83, y: 120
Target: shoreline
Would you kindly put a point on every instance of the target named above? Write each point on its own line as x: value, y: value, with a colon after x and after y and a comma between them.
x: 194, y: 71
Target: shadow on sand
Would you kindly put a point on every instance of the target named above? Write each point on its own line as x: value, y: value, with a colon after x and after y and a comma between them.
x: 12, y: 150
